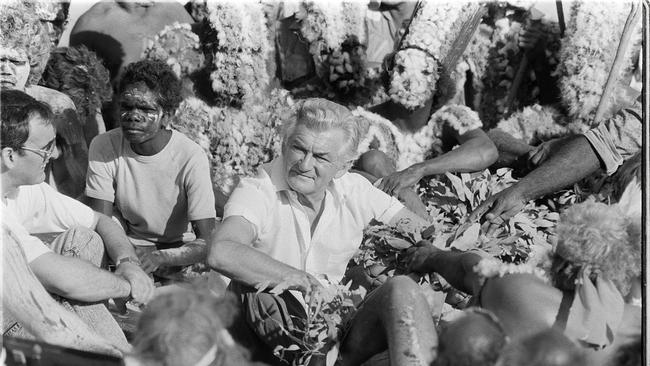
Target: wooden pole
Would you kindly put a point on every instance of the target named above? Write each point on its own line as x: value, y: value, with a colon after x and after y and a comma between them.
x: 560, y: 17
x: 619, y: 60
x: 25, y: 299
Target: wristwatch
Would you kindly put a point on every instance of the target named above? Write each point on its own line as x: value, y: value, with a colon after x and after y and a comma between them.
x: 133, y: 260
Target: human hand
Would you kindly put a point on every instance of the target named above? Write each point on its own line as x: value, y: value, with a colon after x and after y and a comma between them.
x: 418, y: 256
x: 541, y: 153
x: 152, y: 260
x: 300, y: 281
x: 142, y: 286
x: 499, y: 208
x: 393, y: 183
x: 531, y: 36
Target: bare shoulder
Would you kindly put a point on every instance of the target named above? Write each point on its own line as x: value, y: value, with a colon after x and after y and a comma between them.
x: 173, y: 11
x: 100, y: 10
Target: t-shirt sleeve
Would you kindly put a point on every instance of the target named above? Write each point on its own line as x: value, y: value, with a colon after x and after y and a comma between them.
x: 62, y: 212
x: 616, y: 139
x: 200, y: 196
x: 32, y: 246
x: 248, y: 200
x: 376, y: 203
x: 101, y: 172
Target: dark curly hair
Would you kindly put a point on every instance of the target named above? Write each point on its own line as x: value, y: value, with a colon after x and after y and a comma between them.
x: 79, y: 73
x: 159, y: 77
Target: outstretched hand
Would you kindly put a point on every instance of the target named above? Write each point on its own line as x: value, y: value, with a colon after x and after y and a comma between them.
x: 499, y: 208
x: 393, y: 183
x: 418, y: 257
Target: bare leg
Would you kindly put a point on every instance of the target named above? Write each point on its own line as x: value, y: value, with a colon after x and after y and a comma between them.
x: 394, y: 317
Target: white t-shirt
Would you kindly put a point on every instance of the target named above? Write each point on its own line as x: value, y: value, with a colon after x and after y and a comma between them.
x: 38, y: 208
x: 158, y: 195
x: 282, y: 228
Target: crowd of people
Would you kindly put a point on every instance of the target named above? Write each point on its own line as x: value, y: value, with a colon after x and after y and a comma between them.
x: 106, y: 204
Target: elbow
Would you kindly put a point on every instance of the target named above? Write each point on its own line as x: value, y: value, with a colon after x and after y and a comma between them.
x: 489, y: 154
x: 215, y: 259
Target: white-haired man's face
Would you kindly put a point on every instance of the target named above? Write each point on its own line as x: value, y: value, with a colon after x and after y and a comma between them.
x: 312, y: 159
x: 14, y: 68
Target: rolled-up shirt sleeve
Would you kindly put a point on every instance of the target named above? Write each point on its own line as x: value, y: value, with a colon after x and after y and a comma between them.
x: 617, y: 138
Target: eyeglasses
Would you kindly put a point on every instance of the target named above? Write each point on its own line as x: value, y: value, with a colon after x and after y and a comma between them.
x: 47, y: 154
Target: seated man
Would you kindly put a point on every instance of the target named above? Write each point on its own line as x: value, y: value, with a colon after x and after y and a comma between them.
x: 302, y: 218
x: 596, y: 259
x: 24, y: 51
x: 154, y: 179
x: 30, y: 206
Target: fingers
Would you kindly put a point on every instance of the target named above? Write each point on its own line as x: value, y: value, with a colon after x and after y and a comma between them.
x: 481, y: 210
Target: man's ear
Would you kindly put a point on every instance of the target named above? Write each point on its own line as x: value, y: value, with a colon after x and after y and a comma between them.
x: 344, y: 169
x: 8, y: 157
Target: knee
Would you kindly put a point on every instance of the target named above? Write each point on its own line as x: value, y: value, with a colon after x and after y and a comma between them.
x: 82, y: 243
x: 401, y: 288
x: 376, y: 163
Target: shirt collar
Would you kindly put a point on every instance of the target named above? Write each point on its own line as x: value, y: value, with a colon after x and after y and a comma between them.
x: 275, y: 171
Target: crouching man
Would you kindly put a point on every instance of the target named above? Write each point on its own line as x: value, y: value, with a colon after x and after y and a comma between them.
x: 70, y: 266
x: 299, y: 221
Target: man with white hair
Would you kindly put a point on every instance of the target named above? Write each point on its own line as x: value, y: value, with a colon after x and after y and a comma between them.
x: 297, y: 224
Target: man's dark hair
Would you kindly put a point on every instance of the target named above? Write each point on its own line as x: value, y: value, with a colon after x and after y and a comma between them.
x: 16, y: 110
x: 159, y: 77
x: 475, y: 338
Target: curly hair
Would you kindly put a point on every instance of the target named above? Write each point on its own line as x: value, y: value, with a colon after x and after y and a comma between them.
x: 474, y: 338
x: 21, y: 29
x: 159, y: 77
x: 548, y: 347
x: 596, y: 236
x: 79, y: 73
x: 179, y: 327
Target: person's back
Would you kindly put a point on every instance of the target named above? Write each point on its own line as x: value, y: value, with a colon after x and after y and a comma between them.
x: 115, y: 30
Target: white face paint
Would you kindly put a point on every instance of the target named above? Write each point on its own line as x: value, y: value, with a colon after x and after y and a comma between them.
x: 14, y: 68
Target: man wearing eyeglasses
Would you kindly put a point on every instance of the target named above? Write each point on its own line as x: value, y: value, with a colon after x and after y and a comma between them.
x: 69, y: 266
x: 24, y: 52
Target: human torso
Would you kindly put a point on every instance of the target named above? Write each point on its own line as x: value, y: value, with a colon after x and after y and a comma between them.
x: 284, y: 231
x: 150, y: 192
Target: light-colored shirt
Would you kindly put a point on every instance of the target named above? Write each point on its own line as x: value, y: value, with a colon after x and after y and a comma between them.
x: 617, y: 138
x: 157, y: 195
x: 35, y: 209
x: 282, y: 228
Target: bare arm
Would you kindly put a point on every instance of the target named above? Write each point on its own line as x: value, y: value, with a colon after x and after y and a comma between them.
x: 475, y: 152
x: 572, y: 161
x: 25, y: 298
x: 230, y: 252
x: 193, y: 252
x: 456, y: 267
x: 119, y: 246
x: 77, y: 279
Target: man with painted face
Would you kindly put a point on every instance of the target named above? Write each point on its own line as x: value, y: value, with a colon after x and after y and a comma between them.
x: 154, y: 180
x: 299, y: 222
x: 69, y: 265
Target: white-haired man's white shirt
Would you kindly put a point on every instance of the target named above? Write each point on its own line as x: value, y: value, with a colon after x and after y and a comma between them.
x: 282, y: 228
